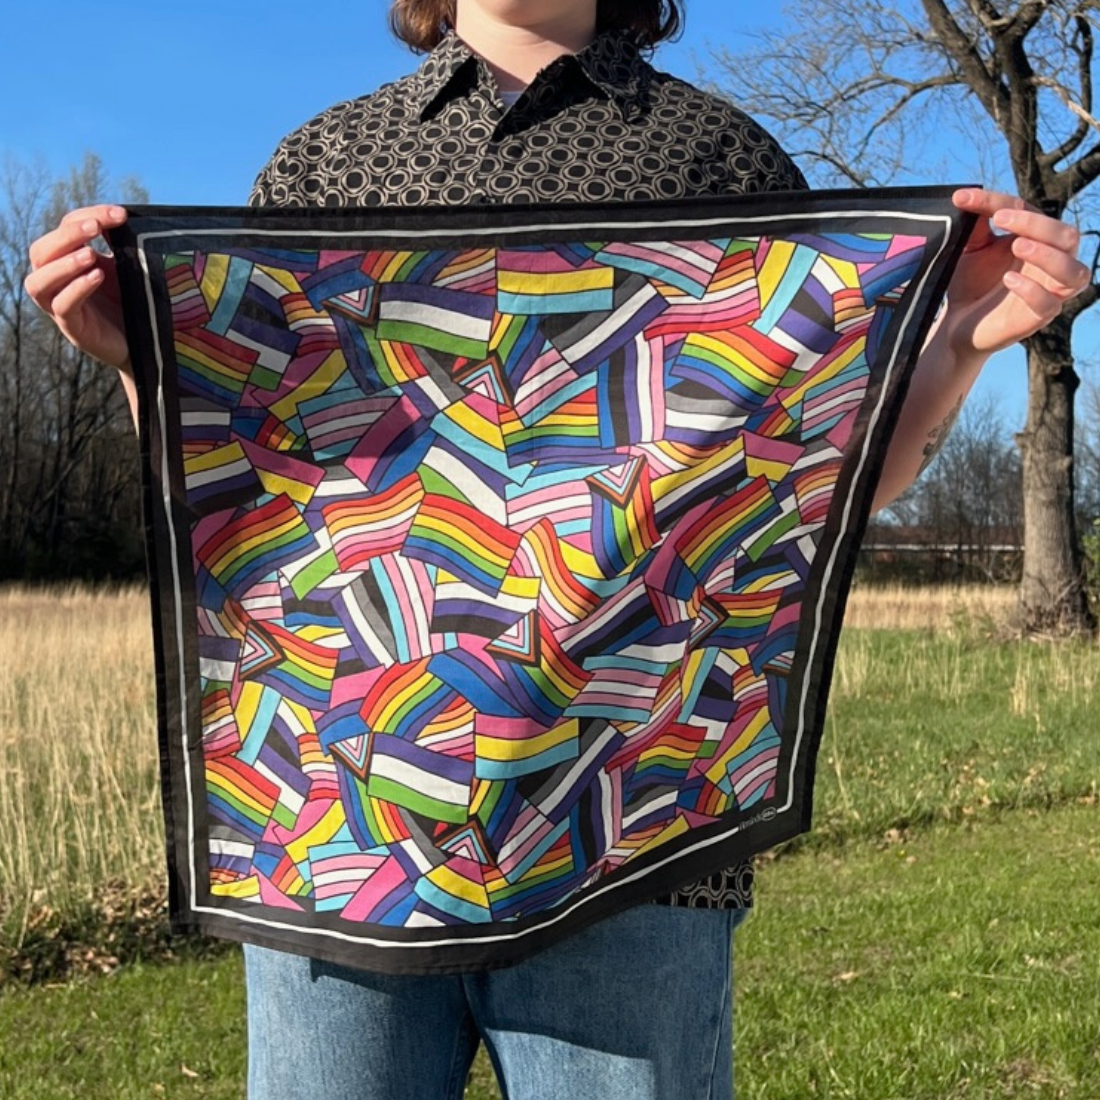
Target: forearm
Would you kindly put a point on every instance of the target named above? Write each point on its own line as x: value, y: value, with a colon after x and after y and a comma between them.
x: 1017, y: 272
x: 941, y: 381
x: 129, y: 387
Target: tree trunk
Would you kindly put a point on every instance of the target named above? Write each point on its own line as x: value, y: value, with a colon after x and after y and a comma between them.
x: 1053, y: 599
x: 12, y: 536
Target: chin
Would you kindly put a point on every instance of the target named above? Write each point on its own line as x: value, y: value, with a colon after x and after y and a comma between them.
x: 532, y: 13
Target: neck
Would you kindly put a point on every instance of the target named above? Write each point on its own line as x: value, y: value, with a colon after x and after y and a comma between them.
x: 516, y: 53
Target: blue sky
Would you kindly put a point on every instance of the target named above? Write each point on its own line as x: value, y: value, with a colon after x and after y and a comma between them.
x: 162, y: 91
x: 149, y: 85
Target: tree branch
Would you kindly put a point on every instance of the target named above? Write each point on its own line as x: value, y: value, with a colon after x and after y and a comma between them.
x: 1083, y: 47
x: 1091, y: 294
x: 1073, y: 180
x: 988, y: 15
x: 848, y: 171
x: 912, y: 92
x: 990, y: 93
x: 1062, y: 92
x: 1085, y: 300
x: 1027, y: 17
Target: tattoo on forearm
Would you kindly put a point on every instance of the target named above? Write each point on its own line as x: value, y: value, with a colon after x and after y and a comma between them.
x: 937, y: 437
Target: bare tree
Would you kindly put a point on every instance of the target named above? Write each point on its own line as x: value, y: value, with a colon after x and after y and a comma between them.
x: 1088, y: 452
x: 1088, y: 467
x: 861, y: 91
x: 968, y: 503
x: 23, y: 192
x: 69, y: 494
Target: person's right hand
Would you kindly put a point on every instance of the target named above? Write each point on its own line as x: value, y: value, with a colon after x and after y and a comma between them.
x: 78, y: 287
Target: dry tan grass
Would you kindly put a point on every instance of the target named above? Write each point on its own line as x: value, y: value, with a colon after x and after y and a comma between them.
x: 79, y: 798
x: 960, y: 666
x: 1073, y: 674
x: 897, y: 607
x: 79, y: 794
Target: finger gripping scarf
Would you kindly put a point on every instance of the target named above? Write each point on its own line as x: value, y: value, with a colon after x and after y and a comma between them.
x: 499, y: 555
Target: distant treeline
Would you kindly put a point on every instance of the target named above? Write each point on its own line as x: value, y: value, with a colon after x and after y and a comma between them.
x: 963, y: 521
x: 69, y: 473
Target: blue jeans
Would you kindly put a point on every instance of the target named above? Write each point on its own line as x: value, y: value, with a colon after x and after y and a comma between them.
x: 636, y: 1007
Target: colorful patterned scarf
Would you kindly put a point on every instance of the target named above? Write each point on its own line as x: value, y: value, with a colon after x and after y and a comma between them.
x: 499, y: 555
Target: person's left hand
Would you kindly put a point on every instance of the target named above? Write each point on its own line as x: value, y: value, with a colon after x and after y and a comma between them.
x: 1011, y: 283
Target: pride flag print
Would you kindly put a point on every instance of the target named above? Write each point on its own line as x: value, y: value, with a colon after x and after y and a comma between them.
x: 499, y: 555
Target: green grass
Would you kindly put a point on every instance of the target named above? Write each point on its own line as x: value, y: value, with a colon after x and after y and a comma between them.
x: 139, y: 1032
x: 936, y: 938
x: 925, y: 728
x: 961, y: 964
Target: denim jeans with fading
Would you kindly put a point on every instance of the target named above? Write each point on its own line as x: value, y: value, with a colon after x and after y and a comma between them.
x: 636, y: 1007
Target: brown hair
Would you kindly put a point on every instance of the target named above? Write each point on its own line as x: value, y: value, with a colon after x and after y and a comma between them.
x: 422, y: 24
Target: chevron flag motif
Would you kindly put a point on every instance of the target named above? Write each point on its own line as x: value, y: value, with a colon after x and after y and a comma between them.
x: 501, y: 557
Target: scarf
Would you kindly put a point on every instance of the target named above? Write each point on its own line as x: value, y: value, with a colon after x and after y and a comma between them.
x: 499, y: 555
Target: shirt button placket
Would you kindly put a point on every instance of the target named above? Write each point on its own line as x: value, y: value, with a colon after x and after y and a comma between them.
x: 487, y: 117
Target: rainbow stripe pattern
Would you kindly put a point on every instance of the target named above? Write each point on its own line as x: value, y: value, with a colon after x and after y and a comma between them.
x: 506, y: 557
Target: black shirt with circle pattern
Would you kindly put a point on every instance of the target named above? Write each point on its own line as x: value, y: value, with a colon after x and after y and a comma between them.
x: 599, y: 126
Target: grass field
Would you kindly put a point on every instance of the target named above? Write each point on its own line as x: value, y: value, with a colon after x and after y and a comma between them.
x: 79, y: 796
x: 962, y: 964
x: 937, y: 936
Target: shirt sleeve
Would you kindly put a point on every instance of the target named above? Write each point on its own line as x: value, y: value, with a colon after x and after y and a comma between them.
x: 261, y: 189
x: 295, y: 173
x: 792, y: 177
x: 754, y: 159
x: 270, y: 188
x: 284, y: 181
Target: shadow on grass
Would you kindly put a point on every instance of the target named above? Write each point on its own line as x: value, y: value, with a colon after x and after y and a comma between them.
x: 122, y: 925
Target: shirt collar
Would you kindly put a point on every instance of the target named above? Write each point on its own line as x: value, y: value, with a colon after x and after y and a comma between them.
x: 439, y: 70
x: 612, y: 62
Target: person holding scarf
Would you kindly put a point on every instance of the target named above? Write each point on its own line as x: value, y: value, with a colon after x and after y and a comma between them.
x: 547, y: 101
